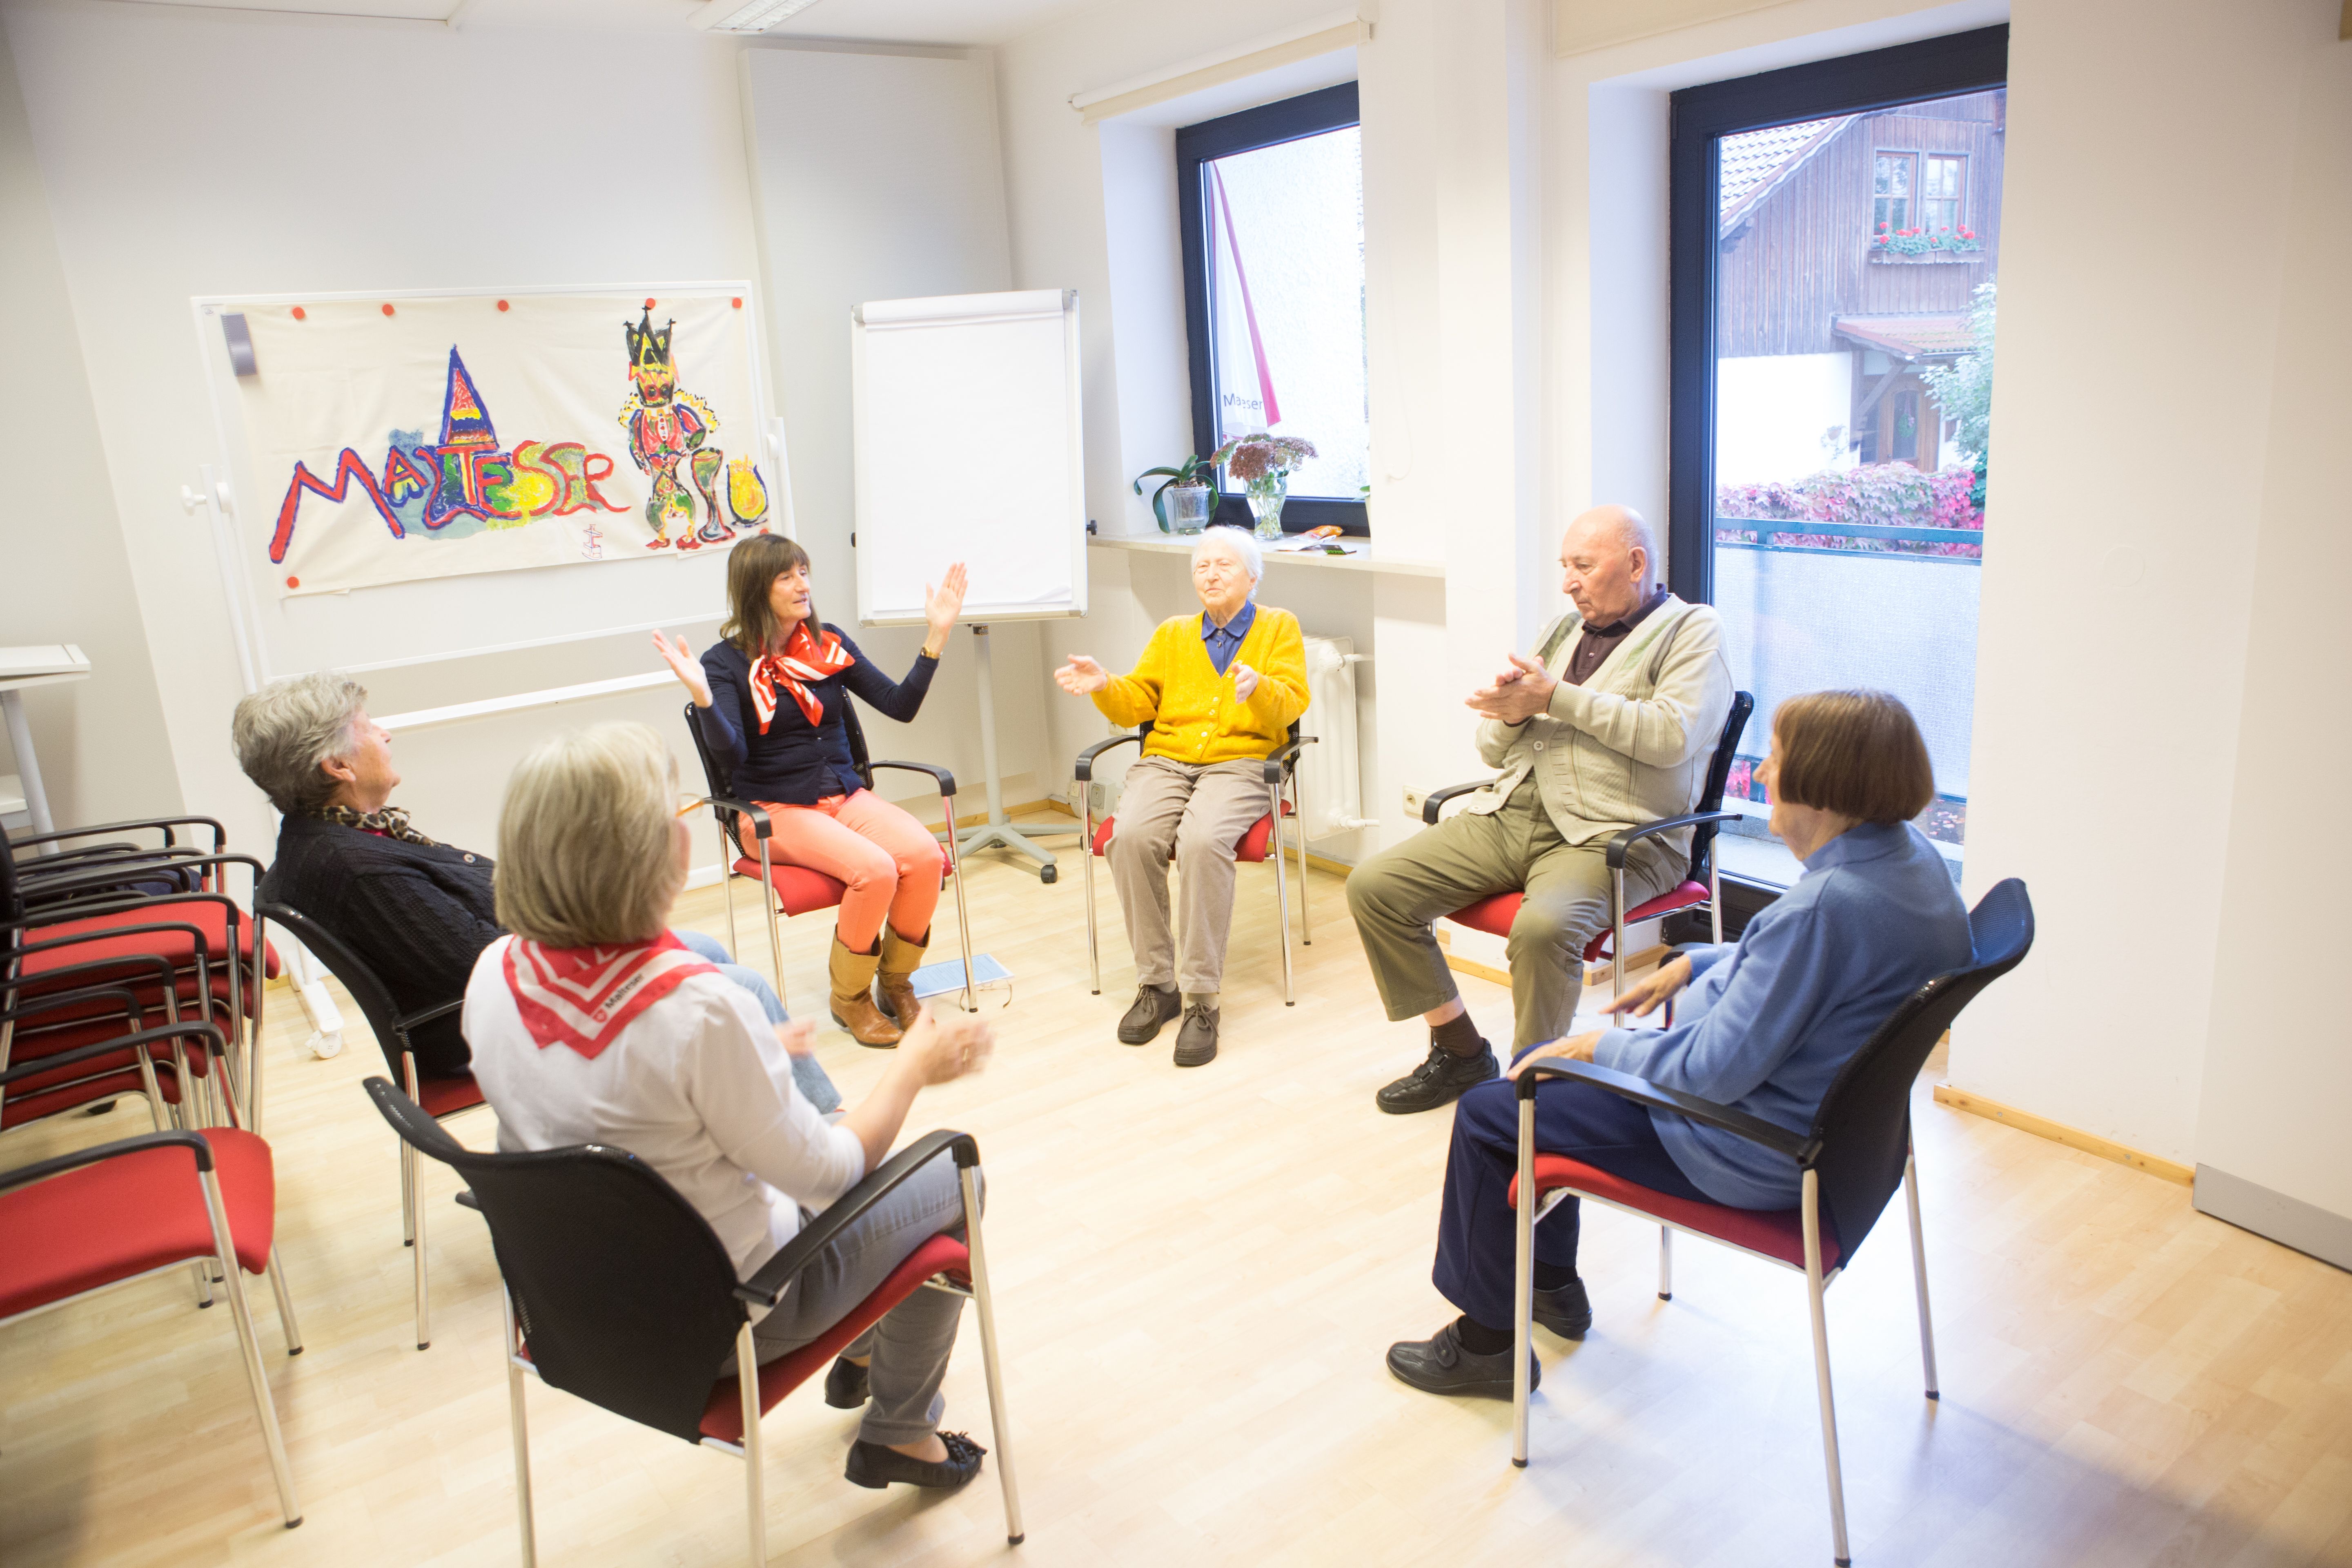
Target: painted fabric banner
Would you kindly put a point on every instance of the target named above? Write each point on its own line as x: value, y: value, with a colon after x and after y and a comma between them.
x: 421, y: 437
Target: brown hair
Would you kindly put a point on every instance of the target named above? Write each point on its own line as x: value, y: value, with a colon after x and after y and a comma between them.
x: 1858, y: 754
x: 751, y: 571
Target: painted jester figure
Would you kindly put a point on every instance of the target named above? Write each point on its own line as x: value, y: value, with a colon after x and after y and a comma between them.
x: 667, y: 427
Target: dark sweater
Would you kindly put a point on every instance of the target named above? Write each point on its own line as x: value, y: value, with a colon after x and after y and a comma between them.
x: 416, y: 914
x: 797, y: 762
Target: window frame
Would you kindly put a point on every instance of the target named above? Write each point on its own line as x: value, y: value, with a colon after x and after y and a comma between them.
x: 1975, y: 61
x: 1910, y: 188
x: 1959, y: 196
x: 1268, y: 125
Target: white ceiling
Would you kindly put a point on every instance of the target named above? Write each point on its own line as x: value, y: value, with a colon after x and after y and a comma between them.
x: 955, y: 22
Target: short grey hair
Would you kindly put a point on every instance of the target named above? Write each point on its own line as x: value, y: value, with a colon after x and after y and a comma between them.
x: 284, y: 730
x: 587, y: 849
x: 1244, y: 545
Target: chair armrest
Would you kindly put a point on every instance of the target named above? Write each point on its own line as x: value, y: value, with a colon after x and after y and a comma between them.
x: 1280, y: 761
x: 1798, y: 1146
x: 10, y: 955
x: 206, y: 1036
x: 1625, y: 840
x: 427, y: 1014
x: 760, y: 823
x: 1437, y: 798
x: 220, y: 834
x: 100, y: 879
x: 43, y: 1169
x: 50, y: 1002
x: 946, y: 779
x: 1086, y: 758
x: 766, y: 1288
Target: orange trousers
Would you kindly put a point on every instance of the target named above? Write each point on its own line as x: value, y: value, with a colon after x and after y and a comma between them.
x: 888, y: 863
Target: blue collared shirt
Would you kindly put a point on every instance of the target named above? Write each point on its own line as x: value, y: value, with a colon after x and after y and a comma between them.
x: 1766, y: 1022
x: 1225, y: 641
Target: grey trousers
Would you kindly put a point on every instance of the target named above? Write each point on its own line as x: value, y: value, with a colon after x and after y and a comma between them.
x: 1197, y: 812
x: 911, y: 1343
x: 1397, y: 893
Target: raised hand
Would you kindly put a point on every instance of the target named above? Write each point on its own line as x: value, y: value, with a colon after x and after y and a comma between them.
x: 1245, y: 680
x: 1081, y: 676
x: 943, y: 1049
x: 798, y: 1036
x: 942, y: 605
x: 684, y: 666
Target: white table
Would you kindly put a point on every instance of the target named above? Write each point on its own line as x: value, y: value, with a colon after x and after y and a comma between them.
x: 42, y: 665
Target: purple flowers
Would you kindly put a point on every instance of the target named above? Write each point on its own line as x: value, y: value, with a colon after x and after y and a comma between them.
x: 1258, y: 456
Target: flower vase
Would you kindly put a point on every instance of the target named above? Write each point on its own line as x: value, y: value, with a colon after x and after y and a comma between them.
x: 1188, y: 506
x: 1266, y: 497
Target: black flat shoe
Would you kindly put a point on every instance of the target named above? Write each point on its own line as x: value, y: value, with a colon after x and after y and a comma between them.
x: 1152, y: 1008
x: 1440, y: 1365
x: 1439, y: 1080
x: 1196, y: 1042
x: 872, y: 1465
x: 1567, y: 1311
x: 846, y: 1388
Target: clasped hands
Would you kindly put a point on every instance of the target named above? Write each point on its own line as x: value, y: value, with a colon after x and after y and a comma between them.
x: 1640, y: 999
x: 1518, y: 694
x: 1082, y: 676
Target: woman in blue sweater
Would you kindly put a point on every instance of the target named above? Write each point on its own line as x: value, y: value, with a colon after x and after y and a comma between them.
x: 1765, y: 1029
x: 770, y: 696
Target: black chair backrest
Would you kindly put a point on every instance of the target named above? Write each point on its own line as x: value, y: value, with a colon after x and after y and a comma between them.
x: 722, y: 782
x: 623, y: 1293
x: 375, y: 1002
x: 1718, y: 777
x: 1864, y: 1121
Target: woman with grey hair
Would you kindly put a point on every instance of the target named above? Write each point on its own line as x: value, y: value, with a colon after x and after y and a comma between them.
x: 418, y: 912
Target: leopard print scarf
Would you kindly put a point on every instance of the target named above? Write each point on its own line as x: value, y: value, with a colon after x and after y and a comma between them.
x: 392, y: 821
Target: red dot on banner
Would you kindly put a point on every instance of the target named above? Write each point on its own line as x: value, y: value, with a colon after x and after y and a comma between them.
x: 293, y: 581
x: 649, y: 304
x: 502, y: 304
x: 387, y: 309
x: 739, y: 302
x: 300, y: 314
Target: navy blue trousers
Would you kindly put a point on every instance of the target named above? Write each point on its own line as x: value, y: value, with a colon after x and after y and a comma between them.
x: 1476, y: 1234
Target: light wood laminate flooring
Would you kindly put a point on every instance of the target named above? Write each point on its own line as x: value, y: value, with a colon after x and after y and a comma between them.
x: 1198, y: 1273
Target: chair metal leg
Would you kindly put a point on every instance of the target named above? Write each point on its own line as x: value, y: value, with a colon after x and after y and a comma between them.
x: 1665, y: 1263
x: 408, y: 1197
x: 416, y: 1185
x: 517, y: 1425
x: 286, y: 1324
x: 1298, y: 801
x: 249, y: 1345
x: 253, y: 1034
x: 1713, y: 896
x: 1281, y: 900
x: 727, y: 882
x: 1000, y: 1420
x: 1919, y: 1269
x: 747, y: 1375
x: 775, y: 937
x: 1523, y: 1294
x: 964, y: 915
x: 1813, y: 1287
x: 1617, y: 954
x: 1087, y: 849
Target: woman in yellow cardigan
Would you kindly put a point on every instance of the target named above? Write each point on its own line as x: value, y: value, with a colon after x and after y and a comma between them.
x: 1221, y: 689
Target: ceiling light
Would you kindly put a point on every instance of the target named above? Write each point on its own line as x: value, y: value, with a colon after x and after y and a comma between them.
x: 748, y: 16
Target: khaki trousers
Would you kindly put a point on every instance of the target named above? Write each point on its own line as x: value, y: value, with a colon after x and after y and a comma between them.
x: 1197, y: 814
x: 1397, y: 893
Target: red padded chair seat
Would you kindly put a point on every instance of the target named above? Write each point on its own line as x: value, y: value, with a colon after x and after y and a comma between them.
x: 206, y: 915
x: 1249, y: 851
x: 722, y: 1418
x: 1494, y: 915
x: 129, y: 1215
x: 29, y: 1045
x: 447, y: 1096
x: 21, y: 1107
x: 800, y: 891
x: 1776, y: 1234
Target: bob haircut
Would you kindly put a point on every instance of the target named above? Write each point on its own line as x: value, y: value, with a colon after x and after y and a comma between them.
x: 1244, y: 543
x: 753, y: 568
x: 284, y: 730
x: 1857, y: 753
x: 587, y: 842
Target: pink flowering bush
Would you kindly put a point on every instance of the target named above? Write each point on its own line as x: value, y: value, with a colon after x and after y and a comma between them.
x: 1884, y: 495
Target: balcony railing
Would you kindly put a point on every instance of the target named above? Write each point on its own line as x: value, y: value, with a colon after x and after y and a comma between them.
x: 1773, y: 530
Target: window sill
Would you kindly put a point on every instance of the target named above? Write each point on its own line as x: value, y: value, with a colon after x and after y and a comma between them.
x: 1367, y: 558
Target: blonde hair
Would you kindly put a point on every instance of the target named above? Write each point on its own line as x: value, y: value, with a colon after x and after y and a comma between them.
x: 587, y: 846
x: 1858, y: 754
x: 284, y: 730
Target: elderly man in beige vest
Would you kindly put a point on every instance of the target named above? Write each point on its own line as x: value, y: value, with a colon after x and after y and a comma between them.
x: 1611, y: 724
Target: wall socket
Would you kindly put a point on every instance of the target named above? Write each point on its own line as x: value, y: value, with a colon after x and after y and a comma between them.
x: 1414, y: 799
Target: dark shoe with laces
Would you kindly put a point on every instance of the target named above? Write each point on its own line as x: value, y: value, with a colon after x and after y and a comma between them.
x: 1440, y: 1365
x: 1152, y: 1008
x: 1567, y: 1311
x: 1196, y: 1042
x: 846, y: 1386
x: 873, y: 1464
x: 1439, y: 1080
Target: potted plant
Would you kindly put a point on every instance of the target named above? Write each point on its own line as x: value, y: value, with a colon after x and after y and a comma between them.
x: 1185, y: 497
x: 1263, y: 464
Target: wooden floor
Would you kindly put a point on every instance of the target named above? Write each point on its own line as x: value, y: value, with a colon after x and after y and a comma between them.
x: 1198, y: 1273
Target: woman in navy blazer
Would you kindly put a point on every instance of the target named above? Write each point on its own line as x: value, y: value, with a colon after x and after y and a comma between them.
x: 770, y: 695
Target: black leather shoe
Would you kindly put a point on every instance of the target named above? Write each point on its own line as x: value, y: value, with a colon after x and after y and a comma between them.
x: 846, y: 1388
x: 1439, y: 1080
x: 872, y: 1465
x: 1196, y: 1042
x: 1440, y: 1365
x: 1152, y: 1008
x: 1567, y: 1311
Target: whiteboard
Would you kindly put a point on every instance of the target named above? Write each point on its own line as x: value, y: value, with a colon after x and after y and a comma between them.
x: 411, y: 623
x: 968, y: 446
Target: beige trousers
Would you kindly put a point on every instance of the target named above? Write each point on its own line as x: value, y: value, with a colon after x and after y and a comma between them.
x: 1196, y: 814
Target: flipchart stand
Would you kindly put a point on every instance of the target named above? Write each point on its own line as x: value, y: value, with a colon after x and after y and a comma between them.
x: 997, y: 832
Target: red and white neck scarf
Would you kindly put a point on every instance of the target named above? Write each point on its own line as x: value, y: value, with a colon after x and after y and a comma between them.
x: 583, y: 996
x: 804, y: 658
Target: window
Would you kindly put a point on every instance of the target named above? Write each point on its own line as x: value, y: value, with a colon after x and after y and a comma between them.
x: 1829, y: 421
x: 1273, y: 211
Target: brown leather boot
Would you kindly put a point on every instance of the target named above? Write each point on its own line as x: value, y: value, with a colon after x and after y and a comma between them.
x: 895, y: 981
x: 853, y: 996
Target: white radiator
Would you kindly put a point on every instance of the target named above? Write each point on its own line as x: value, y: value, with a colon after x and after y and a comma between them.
x: 1330, y: 779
